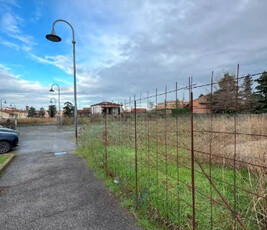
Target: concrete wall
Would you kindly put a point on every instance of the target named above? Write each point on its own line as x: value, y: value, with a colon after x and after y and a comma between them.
x: 4, y: 115
x: 96, y: 109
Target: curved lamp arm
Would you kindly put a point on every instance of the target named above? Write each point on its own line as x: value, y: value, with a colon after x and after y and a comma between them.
x: 61, y: 20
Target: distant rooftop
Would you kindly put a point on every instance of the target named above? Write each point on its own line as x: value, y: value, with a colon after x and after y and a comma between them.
x: 107, y: 104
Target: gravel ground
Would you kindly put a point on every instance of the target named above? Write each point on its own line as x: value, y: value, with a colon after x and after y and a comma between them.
x: 42, y: 191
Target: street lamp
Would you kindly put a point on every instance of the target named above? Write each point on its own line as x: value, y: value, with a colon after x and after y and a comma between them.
x: 54, y: 38
x: 52, y: 90
x: 3, y: 99
x: 51, y: 100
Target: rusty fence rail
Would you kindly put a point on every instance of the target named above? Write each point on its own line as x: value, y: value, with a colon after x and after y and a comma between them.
x: 183, y: 163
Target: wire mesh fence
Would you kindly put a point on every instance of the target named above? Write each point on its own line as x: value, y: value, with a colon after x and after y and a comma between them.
x: 185, y: 164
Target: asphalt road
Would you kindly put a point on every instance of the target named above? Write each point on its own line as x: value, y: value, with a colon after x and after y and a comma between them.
x: 40, y: 190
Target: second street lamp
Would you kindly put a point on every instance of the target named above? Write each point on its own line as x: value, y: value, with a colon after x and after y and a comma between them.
x: 59, y: 112
x: 54, y: 38
x: 51, y: 100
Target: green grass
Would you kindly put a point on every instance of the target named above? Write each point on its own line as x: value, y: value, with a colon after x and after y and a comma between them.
x: 164, y: 183
x: 3, y: 159
x: 172, y: 207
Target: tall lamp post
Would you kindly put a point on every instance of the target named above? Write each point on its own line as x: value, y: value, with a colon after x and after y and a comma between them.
x: 3, y: 99
x: 52, y: 90
x: 54, y: 38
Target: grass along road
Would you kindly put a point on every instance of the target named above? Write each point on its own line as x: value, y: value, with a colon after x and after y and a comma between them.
x: 3, y: 159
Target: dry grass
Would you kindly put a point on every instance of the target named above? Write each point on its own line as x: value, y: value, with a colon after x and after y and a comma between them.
x: 81, y: 120
x: 35, y: 121
x: 225, y: 141
x: 65, y: 121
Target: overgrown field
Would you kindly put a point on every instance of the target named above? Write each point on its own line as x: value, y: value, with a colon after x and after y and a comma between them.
x: 227, y: 155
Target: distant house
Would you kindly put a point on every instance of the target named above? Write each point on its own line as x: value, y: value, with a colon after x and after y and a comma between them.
x: 4, y: 115
x: 85, y: 112
x: 14, y: 113
x: 201, y: 105
x: 171, y: 104
x: 106, y: 107
x: 139, y: 110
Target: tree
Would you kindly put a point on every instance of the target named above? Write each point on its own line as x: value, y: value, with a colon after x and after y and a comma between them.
x: 224, y: 99
x: 52, y: 110
x: 151, y: 105
x: 247, y: 100
x: 68, y: 109
x: 41, y: 112
x: 261, y: 94
x: 32, y: 112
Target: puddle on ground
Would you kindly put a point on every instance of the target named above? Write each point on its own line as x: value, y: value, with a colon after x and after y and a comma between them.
x: 60, y: 153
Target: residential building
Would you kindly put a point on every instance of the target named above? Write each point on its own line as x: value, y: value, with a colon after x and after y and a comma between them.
x: 14, y: 113
x: 85, y: 112
x: 171, y: 104
x: 139, y: 110
x: 106, y: 107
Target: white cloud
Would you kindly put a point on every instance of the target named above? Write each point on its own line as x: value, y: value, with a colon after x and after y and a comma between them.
x: 9, y: 44
x: 135, y: 46
x: 85, y: 79
x: 9, y: 25
x: 22, y: 92
x: 127, y: 47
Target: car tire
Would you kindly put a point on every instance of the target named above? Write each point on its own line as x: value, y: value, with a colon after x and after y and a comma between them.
x: 5, y: 147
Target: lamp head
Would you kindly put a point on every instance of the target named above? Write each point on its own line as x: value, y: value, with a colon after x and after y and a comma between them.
x: 53, y: 37
x: 51, y: 90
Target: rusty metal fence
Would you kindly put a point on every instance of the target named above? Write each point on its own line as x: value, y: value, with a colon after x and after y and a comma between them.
x: 182, y: 164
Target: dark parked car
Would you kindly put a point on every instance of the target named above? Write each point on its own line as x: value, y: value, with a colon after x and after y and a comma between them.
x: 9, y: 138
x: 6, y: 129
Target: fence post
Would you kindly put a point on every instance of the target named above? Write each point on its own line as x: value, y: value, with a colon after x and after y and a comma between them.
x: 135, y: 158
x: 192, y: 154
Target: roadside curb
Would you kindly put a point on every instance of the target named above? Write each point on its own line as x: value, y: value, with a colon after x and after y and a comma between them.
x: 8, y: 161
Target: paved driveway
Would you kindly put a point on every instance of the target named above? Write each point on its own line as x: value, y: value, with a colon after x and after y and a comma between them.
x: 40, y: 190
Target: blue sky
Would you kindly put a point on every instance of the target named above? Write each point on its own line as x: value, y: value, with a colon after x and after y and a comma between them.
x: 124, y: 47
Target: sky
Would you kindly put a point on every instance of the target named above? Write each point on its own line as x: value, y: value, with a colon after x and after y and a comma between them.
x: 124, y: 47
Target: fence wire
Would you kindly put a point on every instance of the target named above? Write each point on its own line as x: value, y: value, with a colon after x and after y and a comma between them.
x: 185, y: 164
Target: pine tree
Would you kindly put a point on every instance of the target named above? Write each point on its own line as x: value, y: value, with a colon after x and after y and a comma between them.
x: 261, y: 94
x: 52, y: 110
x: 68, y: 109
x: 41, y: 112
x: 31, y: 112
x: 224, y: 99
x: 246, y: 96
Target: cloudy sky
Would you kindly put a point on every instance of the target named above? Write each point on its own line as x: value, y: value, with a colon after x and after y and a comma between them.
x: 125, y: 47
